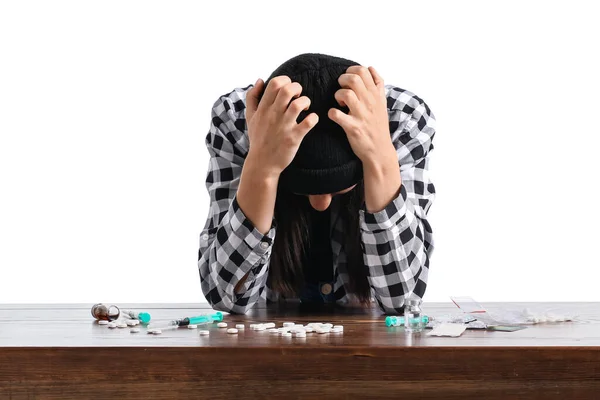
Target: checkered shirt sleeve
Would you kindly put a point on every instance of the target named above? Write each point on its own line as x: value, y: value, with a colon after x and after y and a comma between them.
x: 397, y: 241
x: 230, y: 245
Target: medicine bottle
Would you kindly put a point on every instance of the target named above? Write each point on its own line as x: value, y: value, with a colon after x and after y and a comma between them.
x: 413, y: 321
x: 105, y: 312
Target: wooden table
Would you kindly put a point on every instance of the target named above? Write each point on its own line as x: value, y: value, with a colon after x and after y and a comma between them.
x: 59, y: 352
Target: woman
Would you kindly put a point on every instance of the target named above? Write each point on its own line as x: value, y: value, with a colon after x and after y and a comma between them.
x: 319, y: 189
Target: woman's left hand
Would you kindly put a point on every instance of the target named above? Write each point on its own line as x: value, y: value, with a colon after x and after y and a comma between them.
x: 367, y: 123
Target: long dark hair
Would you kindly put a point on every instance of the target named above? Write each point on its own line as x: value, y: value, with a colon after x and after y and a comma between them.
x: 291, y: 240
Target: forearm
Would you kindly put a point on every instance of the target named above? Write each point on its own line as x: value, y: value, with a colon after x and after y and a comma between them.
x: 257, y: 193
x: 381, y: 180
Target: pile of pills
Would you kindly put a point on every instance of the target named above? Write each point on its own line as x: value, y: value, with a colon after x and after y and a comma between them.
x: 287, y: 329
x: 291, y: 329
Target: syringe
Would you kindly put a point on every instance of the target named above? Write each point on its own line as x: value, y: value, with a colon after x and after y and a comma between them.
x: 399, y: 321
x: 143, y: 317
x: 197, y: 320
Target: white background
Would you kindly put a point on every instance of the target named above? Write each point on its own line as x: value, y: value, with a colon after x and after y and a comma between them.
x: 104, y: 107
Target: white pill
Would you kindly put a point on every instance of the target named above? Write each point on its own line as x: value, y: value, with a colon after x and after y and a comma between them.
x: 341, y: 327
x: 260, y: 328
x: 203, y: 333
x: 102, y: 322
x: 134, y: 330
x: 252, y: 326
x: 192, y: 326
x: 300, y: 334
x: 334, y: 330
x: 222, y: 324
x: 273, y: 330
x: 156, y: 332
x: 308, y: 329
x: 112, y: 325
x: 232, y: 330
x: 121, y: 325
x: 269, y: 325
x: 283, y: 330
x: 323, y: 330
x: 287, y: 324
x: 240, y: 326
x: 328, y: 325
x: 130, y: 322
x: 286, y: 334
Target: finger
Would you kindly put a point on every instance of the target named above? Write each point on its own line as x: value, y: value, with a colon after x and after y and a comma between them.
x: 273, y: 87
x: 344, y: 120
x: 252, y: 96
x: 295, y: 108
x: 285, y: 95
x: 307, y: 124
x: 365, y: 75
x: 354, y: 82
x: 347, y: 98
x: 378, y: 80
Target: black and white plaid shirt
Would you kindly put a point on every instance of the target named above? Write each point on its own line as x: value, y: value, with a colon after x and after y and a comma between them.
x: 397, y: 241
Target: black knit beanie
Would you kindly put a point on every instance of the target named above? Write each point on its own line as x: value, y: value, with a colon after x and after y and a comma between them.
x: 325, y: 162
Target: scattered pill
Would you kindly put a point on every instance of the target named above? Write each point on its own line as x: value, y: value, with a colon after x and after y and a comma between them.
x: 122, y: 325
x: 269, y: 325
x: 288, y: 324
x: 134, y: 330
x: 232, y: 330
x: 286, y: 334
x: 240, y: 326
x: 323, y: 330
x: 192, y: 326
x: 203, y: 333
x: 300, y: 334
x: 222, y: 324
x: 102, y: 322
x: 112, y: 325
x: 340, y: 327
x: 329, y: 326
x: 260, y: 328
x: 334, y: 330
x: 156, y: 332
x: 308, y: 329
x: 130, y: 322
x: 273, y: 330
x: 252, y: 326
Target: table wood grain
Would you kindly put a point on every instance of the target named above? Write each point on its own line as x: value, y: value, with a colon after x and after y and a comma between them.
x: 57, y: 351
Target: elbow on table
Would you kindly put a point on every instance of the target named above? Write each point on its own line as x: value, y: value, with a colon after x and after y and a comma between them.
x: 232, y: 304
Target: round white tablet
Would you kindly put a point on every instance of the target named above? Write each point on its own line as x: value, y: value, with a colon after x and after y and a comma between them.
x: 286, y: 334
x: 203, y: 333
x: 134, y: 330
x: 102, y: 322
x: 222, y: 324
x: 130, y: 322
x: 340, y: 327
x: 192, y: 326
x: 112, y: 325
x: 232, y: 330
x: 240, y: 326
x: 121, y: 325
x: 300, y: 334
x: 288, y: 324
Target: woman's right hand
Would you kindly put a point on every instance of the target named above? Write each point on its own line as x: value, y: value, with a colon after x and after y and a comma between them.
x: 272, y: 128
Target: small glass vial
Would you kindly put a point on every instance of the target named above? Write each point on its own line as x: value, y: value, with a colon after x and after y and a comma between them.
x: 413, y: 321
x: 107, y: 313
